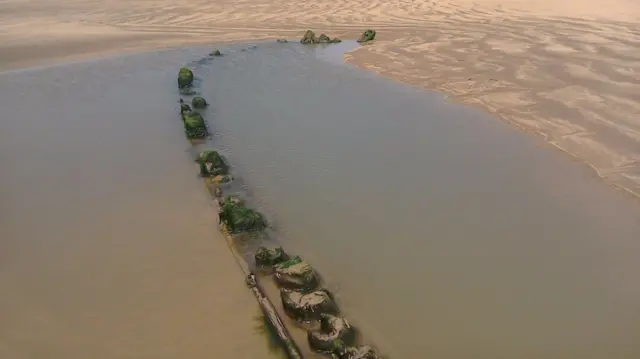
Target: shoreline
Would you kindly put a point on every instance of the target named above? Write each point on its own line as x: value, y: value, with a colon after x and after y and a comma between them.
x: 613, y: 156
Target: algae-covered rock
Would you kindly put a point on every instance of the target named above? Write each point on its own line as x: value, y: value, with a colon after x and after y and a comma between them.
x: 238, y: 218
x: 215, y: 52
x: 185, y: 78
x: 307, y: 306
x: 360, y: 352
x: 267, y: 257
x: 212, y: 164
x: 367, y: 36
x: 194, y: 125
x: 309, y: 38
x: 199, y: 102
x: 334, y: 336
x: 222, y: 178
x: 296, y: 274
x: 184, y: 108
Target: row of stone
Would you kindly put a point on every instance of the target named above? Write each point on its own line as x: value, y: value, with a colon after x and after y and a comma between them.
x: 311, y: 38
x: 303, y: 300
x: 298, y: 281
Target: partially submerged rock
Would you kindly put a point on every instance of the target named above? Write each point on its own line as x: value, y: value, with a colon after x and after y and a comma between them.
x: 367, y: 36
x: 334, y: 336
x: 296, y: 274
x: 199, y: 102
x: 212, y: 164
x: 360, y: 352
x: 282, y: 41
x: 307, y: 306
x: 238, y: 218
x: 215, y: 52
x: 185, y: 78
x: 267, y: 257
x: 310, y: 38
x: 184, y: 108
x: 194, y: 125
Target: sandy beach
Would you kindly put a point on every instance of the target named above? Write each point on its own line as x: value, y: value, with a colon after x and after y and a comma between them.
x: 568, y: 72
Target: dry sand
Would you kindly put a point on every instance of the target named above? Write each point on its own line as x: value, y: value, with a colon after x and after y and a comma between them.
x: 568, y: 70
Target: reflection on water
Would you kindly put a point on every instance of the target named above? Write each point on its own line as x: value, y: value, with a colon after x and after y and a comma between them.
x: 444, y: 232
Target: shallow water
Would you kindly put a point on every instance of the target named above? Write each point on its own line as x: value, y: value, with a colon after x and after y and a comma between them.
x: 443, y: 232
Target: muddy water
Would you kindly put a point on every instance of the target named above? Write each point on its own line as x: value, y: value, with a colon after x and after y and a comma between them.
x: 108, y: 245
x: 444, y: 233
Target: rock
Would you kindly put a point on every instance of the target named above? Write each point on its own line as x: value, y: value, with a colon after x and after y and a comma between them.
x: 199, y: 102
x: 185, y: 78
x: 238, y: 218
x: 367, y: 36
x: 324, y: 39
x: 217, y: 192
x: 296, y: 274
x: 215, y: 52
x: 222, y: 179
x: 309, y: 38
x: 181, y: 100
x: 282, y: 41
x: 212, y: 164
x: 194, y: 125
x: 266, y: 257
x: 334, y: 336
x: 307, y: 306
x: 184, y: 108
x: 361, y: 352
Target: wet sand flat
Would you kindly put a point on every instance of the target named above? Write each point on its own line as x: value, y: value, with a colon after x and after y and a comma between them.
x: 568, y: 71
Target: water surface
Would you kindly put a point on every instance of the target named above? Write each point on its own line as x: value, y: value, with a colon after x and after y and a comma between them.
x: 444, y: 232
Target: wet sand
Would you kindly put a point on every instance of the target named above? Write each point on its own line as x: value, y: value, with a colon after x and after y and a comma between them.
x: 109, y: 246
x: 568, y: 71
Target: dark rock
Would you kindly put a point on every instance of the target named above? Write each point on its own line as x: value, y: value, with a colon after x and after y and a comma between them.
x: 194, y: 125
x: 212, y: 164
x: 215, y: 52
x: 282, y: 41
x: 181, y: 100
x: 309, y: 38
x: 361, y: 352
x: 184, y: 108
x: 238, y: 218
x: 334, y: 336
x: 296, y: 274
x: 367, y: 36
x: 324, y: 39
x: 199, y: 102
x: 185, y: 78
x: 266, y: 257
x: 308, y: 306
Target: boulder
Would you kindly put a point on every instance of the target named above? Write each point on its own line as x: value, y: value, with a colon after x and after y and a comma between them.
x: 267, y: 257
x: 282, y: 41
x: 212, y: 164
x: 334, y: 336
x: 367, y: 36
x: 185, y: 78
x: 309, y: 38
x: 184, y: 108
x: 360, y: 352
x: 199, y: 102
x: 194, y: 125
x: 215, y: 52
x: 324, y: 39
x: 307, y: 306
x: 296, y: 274
x: 238, y: 218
